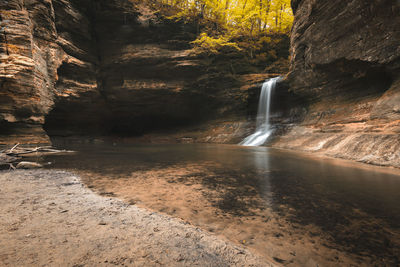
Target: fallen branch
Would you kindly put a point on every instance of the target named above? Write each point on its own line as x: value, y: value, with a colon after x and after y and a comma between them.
x: 12, y: 167
x: 25, y: 151
x: 11, y: 150
x: 15, y: 154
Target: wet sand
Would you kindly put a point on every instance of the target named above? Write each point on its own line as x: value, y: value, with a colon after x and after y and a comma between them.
x: 49, y: 218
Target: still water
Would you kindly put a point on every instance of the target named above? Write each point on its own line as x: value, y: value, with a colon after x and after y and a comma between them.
x: 295, y: 209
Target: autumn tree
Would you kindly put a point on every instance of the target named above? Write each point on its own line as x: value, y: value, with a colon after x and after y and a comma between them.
x: 222, y: 23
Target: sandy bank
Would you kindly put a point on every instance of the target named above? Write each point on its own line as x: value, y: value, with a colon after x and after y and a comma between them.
x: 48, y: 218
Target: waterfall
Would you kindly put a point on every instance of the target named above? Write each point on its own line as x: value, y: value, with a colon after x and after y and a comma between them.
x: 263, y: 128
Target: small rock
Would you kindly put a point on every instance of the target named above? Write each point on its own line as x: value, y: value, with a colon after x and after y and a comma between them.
x: 179, y: 258
x: 278, y: 259
x: 29, y: 165
x: 278, y: 235
x: 187, y: 140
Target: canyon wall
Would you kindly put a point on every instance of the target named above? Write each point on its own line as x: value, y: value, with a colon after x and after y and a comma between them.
x: 104, y: 67
x: 39, y: 39
x: 345, y: 63
x: 97, y: 67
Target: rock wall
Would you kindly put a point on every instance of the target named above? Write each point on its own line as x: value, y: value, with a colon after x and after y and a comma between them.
x: 38, y: 39
x: 101, y: 67
x: 345, y: 63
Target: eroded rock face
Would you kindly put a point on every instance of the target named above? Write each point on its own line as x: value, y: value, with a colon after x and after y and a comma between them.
x: 100, y: 67
x: 23, y: 83
x: 345, y: 63
x: 34, y: 49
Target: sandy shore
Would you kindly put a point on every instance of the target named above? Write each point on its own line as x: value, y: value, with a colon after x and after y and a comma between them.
x: 48, y: 218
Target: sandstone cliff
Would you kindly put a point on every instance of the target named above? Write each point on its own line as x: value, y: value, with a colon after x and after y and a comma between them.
x: 38, y: 39
x: 345, y: 64
x: 100, y: 67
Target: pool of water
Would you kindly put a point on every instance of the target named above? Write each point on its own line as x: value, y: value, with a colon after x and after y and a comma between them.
x: 293, y: 208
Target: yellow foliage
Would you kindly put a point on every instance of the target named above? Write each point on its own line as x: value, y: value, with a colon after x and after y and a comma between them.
x: 230, y: 20
x: 213, y: 45
x: 245, y: 16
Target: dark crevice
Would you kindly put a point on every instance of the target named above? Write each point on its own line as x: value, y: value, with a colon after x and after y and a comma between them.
x: 359, y: 78
x: 348, y: 80
x: 295, y: 4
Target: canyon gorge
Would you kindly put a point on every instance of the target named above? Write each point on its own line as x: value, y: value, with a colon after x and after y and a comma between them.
x: 99, y: 68
x: 200, y: 132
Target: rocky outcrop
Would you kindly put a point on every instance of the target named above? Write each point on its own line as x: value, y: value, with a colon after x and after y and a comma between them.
x: 98, y: 67
x: 35, y: 48
x: 345, y: 64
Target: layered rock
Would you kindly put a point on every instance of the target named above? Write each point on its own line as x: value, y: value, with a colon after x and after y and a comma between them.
x: 345, y: 64
x: 25, y: 93
x: 151, y: 80
x: 98, y: 67
x: 34, y: 51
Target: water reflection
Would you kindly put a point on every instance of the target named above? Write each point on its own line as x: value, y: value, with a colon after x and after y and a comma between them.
x: 261, y: 160
x: 260, y: 194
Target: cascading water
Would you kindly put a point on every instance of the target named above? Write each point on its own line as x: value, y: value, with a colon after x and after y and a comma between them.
x: 263, y: 128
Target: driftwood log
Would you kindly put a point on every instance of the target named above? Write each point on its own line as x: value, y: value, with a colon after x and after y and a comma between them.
x: 14, y: 155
